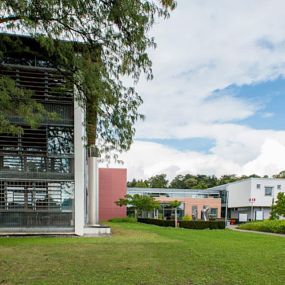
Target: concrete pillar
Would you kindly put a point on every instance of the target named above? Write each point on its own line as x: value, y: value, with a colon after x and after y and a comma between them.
x: 79, y: 163
x: 93, y: 192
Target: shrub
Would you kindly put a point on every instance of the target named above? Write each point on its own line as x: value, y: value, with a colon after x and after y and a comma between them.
x: 272, y: 226
x: 199, y: 225
x: 123, y: 220
x: 187, y: 218
x: 162, y: 223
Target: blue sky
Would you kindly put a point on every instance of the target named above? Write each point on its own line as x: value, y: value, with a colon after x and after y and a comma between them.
x: 216, y: 103
x: 203, y: 145
x: 271, y: 96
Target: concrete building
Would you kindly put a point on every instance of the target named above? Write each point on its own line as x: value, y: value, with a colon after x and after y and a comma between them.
x: 44, y: 177
x: 251, y: 199
x: 193, y: 201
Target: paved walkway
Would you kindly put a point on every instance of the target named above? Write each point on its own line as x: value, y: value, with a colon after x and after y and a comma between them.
x: 234, y: 228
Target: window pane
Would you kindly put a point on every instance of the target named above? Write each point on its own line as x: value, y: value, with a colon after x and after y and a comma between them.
x: 60, y: 140
x: 268, y: 191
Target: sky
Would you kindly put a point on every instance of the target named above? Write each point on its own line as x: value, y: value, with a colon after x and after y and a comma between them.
x: 216, y: 103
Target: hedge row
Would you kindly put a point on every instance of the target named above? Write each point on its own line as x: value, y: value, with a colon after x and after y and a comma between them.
x: 185, y: 224
x: 271, y: 226
x: 199, y: 225
x: 162, y: 223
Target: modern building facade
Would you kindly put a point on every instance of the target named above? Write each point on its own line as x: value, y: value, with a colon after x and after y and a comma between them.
x: 251, y: 199
x: 37, y: 167
x: 44, y: 171
x: 194, y: 202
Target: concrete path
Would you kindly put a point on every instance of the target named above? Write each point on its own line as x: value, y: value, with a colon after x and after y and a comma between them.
x: 234, y: 228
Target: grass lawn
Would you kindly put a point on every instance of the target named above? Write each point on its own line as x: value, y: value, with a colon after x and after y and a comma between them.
x: 145, y: 254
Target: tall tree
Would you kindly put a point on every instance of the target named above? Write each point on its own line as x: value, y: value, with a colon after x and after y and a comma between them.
x: 158, y: 181
x: 278, y: 209
x: 115, y: 41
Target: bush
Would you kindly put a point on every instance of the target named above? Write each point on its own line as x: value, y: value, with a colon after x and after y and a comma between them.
x: 162, y: 223
x: 123, y: 220
x: 271, y: 226
x: 187, y: 218
x: 199, y: 225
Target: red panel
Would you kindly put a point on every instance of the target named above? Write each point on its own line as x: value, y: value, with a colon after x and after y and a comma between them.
x: 112, y: 186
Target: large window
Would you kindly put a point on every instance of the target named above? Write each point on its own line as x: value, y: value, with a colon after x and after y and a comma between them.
x: 28, y: 203
x: 47, y: 149
x: 213, y: 213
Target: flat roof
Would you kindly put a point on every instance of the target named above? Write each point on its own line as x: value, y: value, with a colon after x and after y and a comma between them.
x: 172, y: 190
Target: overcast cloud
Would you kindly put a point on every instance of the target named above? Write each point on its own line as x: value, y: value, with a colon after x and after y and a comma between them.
x: 203, y: 48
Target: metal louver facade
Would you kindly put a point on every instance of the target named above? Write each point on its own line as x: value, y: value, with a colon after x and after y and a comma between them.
x: 37, y: 167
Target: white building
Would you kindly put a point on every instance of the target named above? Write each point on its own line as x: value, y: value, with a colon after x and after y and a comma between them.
x: 251, y: 199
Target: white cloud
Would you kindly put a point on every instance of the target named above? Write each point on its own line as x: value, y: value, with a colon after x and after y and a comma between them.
x: 205, y: 46
x: 147, y: 158
x: 269, y: 161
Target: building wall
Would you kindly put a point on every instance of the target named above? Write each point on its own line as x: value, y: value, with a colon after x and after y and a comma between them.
x: 112, y: 186
x: 234, y: 212
x: 239, y: 193
x: 199, y: 202
x: 261, y: 199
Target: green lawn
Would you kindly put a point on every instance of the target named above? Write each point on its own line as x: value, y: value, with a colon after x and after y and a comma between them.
x: 145, y: 254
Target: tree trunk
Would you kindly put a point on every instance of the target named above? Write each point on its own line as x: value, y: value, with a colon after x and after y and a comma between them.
x: 175, y: 217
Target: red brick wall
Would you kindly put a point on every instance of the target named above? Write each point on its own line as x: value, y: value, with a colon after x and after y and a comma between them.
x: 112, y: 186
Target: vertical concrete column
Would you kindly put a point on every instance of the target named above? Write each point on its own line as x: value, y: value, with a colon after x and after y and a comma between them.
x: 79, y: 162
x: 93, y: 191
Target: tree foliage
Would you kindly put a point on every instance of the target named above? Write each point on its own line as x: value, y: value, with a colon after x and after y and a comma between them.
x: 139, y: 202
x: 115, y: 40
x: 278, y: 209
x: 158, y: 181
x: 190, y: 181
x: 16, y: 102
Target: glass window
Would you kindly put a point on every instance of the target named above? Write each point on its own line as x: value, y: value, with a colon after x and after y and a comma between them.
x: 258, y: 186
x: 279, y: 187
x: 60, y: 140
x: 268, y: 191
x: 213, y: 213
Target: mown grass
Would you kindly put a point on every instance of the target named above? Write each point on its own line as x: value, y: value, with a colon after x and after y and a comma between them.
x: 271, y: 226
x: 145, y: 255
